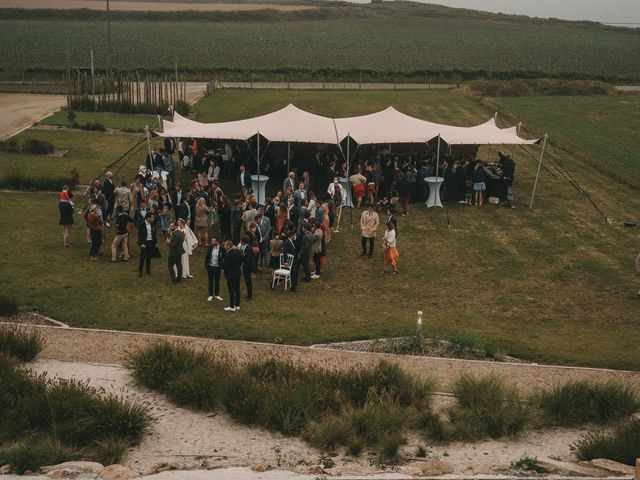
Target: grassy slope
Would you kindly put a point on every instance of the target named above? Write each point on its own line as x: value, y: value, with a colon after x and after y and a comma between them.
x: 552, y: 284
x: 88, y: 152
x: 110, y: 120
x: 400, y: 42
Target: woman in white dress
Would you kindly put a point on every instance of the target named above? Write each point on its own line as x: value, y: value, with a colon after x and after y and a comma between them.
x: 190, y: 243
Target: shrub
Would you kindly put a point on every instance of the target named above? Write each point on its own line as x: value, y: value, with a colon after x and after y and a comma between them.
x: 20, y: 342
x: 10, y: 145
x: 95, y: 127
x: 622, y: 445
x: 381, y: 415
x: 355, y: 446
x: 487, y: 407
x: 109, y: 451
x: 541, y: 86
x: 34, y: 146
x: 33, y: 453
x: 390, y: 447
x: 200, y: 389
x: 243, y: 398
x: 576, y: 403
x: 433, y: 427
x: 156, y: 366
x: 465, y: 343
x: 528, y: 464
x: 331, y: 432
x: 8, y: 305
x: 18, y: 181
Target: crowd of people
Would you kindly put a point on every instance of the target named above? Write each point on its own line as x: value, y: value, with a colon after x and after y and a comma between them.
x: 241, y: 235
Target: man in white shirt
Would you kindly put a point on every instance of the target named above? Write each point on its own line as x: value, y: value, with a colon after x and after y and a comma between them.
x: 213, y: 264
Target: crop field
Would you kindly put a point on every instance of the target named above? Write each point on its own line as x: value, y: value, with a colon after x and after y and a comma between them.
x: 399, y: 44
x: 552, y: 284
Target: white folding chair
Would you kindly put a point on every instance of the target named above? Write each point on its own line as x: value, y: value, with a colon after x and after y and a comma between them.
x: 284, y: 272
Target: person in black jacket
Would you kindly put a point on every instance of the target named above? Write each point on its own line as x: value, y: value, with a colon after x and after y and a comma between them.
x: 176, y: 249
x: 231, y: 265
x: 236, y: 223
x: 213, y: 262
x: 289, y: 248
x: 120, y: 240
x: 248, y: 264
x: 148, y: 242
x: 109, y: 191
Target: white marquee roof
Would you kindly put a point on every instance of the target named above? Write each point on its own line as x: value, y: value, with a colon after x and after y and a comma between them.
x: 291, y: 124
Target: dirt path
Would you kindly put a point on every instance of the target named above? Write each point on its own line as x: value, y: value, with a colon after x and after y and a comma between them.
x: 192, y: 439
x: 106, y: 346
x: 148, y: 6
x: 20, y: 110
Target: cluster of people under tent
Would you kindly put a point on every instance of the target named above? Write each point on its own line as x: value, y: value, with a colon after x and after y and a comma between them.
x: 240, y: 234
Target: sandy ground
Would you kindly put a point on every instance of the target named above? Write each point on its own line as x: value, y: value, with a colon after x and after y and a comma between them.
x: 214, y: 440
x: 148, y: 6
x: 20, y: 110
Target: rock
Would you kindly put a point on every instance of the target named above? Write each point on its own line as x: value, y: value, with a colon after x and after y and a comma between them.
x: 351, y: 470
x: 309, y: 469
x: 117, y: 472
x: 479, y: 469
x: 411, y: 470
x: 260, y: 467
x: 164, y: 466
x: 63, y: 473
x: 5, y: 469
x: 435, y: 468
x: 611, y: 466
x: 571, y: 469
x: 80, y: 467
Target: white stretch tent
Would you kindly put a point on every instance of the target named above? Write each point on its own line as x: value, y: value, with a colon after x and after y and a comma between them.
x: 291, y: 124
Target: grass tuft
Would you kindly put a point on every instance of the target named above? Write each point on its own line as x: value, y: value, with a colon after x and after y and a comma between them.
x: 34, y: 452
x: 8, y: 306
x: 621, y: 445
x: 20, y: 342
x: 487, y: 407
x: 577, y: 403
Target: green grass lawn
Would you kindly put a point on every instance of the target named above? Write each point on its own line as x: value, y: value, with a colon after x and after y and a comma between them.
x: 88, y: 152
x: 600, y: 130
x: 552, y: 284
x: 116, y: 121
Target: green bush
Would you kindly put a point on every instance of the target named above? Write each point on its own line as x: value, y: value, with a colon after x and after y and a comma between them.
x: 332, y: 431
x: 487, y: 407
x: 33, y: 453
x: 389, y: 449
x: 433, y: 427
x: 20, y: 342
x: 528, y: 464
x: 66, y: 414
x: 94, y: 127
x: 10, y: 145
x: 577, y: 403
x: 542, y: 86
x: 8, y: 306
x: 200, y: 389
x: 34, y: 146
x: 18, y: 181
x: 109, y: 451
x: 156, y: 366
x: 622, y: 445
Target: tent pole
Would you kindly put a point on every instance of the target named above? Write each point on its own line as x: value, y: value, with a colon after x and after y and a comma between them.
x: 258, y: 158
x: 438, y: 158
x: 146, y: 129
x: 489, y: 155
x: 348, y: 156
x: 288, y: 158
x: 544, y: 144
x: 513, y: 155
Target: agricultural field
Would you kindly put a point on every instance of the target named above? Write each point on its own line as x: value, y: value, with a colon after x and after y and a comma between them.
x: 551, y: 284
x: 390, y: 40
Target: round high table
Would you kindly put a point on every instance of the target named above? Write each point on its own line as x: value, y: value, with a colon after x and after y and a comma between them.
x: 258, y: 185
x: 344, y: 181
x: 434, y: 191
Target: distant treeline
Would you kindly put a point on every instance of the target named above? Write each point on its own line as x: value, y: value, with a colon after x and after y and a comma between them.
x: 302, y: 74
x: 321, y: 10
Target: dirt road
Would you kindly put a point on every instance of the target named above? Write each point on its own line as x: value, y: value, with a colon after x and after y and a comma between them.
x: 148, y: 6
x: 20, y: 110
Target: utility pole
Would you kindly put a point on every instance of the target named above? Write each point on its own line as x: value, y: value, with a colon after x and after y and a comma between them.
x: 108, y: 42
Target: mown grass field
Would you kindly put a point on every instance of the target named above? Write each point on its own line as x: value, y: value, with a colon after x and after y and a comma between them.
x: 552, y: 284
x: 397, y: 41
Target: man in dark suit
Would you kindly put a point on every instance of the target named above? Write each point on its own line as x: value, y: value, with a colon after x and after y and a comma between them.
x: 244, y: 180
x: 392, y: 218
x: 232, y: 271
x: 213, y: 262
x: 147, y: 241
x: 176, y: 249
x: 294, y: 212
x: 184, y: 210
x: 176, y: 199
x: 248, y: 264
x: 109, y: 191
x: 236, y: 222
x: 154, y: 161
x: 289, y: 248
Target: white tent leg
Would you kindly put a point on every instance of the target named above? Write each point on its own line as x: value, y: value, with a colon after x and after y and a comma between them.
x: 535, y: 184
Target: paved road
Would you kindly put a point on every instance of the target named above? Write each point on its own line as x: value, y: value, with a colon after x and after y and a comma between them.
x: 21, y: 110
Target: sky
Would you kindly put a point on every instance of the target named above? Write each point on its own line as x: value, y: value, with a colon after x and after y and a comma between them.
x: 604, y: 11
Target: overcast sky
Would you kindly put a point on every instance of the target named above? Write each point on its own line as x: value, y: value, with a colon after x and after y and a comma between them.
x: 606, y: 11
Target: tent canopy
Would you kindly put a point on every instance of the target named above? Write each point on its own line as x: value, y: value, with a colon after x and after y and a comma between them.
x: 291, y: 124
